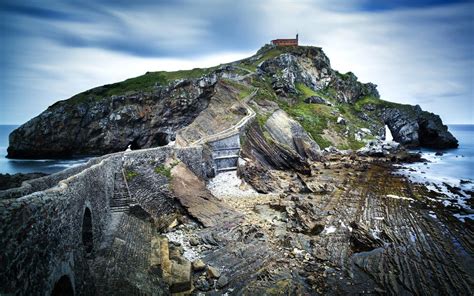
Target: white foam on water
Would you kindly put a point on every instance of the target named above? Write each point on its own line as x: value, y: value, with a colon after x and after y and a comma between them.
x: 399, y: 197
x: 431, y: 174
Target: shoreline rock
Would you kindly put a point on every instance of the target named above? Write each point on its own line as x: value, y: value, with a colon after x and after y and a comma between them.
x: 8, y: 181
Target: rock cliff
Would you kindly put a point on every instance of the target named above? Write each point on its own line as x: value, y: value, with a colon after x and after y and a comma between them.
x: 149, y: 110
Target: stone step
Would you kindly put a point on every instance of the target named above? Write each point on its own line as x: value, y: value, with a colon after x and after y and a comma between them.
x: 119, y: 203
x: 225, y: 152
x: 120, y: 209
x: 227, y: 169
x: 226, y: 157
x: 121, y: 198
x: 226, y: 148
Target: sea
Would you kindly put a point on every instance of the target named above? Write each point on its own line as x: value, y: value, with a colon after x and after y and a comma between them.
x: 48, y: 166
x: 452, y: 168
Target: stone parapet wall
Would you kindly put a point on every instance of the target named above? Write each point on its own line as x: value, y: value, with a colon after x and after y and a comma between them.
x: 31, y: 186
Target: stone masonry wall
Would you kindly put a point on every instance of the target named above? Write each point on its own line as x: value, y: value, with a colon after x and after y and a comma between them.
x: 41, y: 233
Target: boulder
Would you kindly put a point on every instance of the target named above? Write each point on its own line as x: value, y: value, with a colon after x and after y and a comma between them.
x: 198, y: 265
x: 341, y: 120
x: 181, y: 276
x: 222, y: 282
x: 213, y: 272
x: 316, y: 100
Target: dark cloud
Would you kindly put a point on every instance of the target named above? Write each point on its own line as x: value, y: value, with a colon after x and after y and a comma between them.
x: 377, y: 5
x: 228, y: 25
x: 37, y: 12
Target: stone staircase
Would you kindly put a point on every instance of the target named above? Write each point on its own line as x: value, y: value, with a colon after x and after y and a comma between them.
x: 225, y: 153
x: 120, y: 202
x: 225, y: 159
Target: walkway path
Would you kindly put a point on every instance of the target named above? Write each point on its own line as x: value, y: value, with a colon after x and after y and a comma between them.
x: 233, y: 129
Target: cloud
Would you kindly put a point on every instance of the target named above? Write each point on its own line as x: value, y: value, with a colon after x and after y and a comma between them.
x: 414, y: 55
x: 418, y: 52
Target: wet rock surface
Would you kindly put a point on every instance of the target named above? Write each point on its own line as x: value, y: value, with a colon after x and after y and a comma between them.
x: 355, y: 229
x: 348, y: 226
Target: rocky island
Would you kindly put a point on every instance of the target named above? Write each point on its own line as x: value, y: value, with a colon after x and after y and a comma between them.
x: 265, y: 176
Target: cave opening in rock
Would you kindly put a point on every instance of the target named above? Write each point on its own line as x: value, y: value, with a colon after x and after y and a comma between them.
x: 63, y: 287
x: 161, y: 139
x: 427, y: 137
x: 87, y: 235
x: 134, y: 145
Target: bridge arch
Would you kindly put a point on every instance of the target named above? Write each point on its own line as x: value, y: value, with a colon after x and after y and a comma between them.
x: 63, y: 287
x: 87, y: 231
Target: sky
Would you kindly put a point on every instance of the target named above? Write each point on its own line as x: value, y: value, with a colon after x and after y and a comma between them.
x: 417, y: 52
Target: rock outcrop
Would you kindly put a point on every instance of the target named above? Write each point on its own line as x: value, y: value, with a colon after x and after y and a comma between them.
x: 8, y: 181
x: 316, y: 100
x: 349, y: 89
x: 271, y: 154
x: 306, y: 65
x: 311, y: 67
x: 414, y: 127
x: 291, y: 134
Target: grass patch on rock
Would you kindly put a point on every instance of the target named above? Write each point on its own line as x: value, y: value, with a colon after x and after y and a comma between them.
x: 244, y: 90
x: 144, y: 83
x: 165, y: 170
x: 130, y: 175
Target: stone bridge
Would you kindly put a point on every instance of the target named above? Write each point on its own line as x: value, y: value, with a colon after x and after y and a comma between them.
x: 51, y: 227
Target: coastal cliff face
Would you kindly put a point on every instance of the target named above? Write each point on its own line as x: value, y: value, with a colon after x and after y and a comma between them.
x: 89, y: 124
x: 334, y: 109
